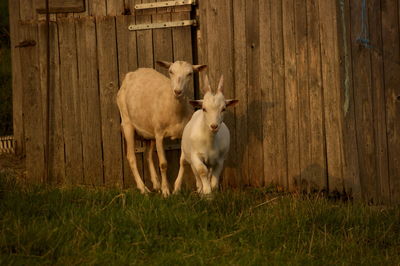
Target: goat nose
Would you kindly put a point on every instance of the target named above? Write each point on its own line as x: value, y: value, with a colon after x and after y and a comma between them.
x: 178, y: 92
x: 214, y: 126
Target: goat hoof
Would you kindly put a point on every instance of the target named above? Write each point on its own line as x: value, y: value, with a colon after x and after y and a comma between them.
x: 157, y: 187
x: 165, y: 193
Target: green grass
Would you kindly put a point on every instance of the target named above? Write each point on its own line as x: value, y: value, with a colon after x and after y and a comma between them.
x: 71, y: 226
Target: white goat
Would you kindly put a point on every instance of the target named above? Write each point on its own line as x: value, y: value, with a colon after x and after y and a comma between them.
x: 205, y: 140
x: 155, y: 107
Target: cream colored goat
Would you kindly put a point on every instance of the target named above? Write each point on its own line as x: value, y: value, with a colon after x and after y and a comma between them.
x: 155, y: 107
x: 205, y: 140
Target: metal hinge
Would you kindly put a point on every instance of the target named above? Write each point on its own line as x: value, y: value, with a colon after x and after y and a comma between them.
x: 165, y: 4
x: 161, y: 25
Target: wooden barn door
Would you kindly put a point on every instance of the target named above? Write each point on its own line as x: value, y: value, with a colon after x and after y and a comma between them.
x: 90, y: 54
x: 154, y: 33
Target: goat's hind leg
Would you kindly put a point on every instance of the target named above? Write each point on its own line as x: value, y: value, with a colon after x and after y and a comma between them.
x: 153, y: 173
x: 129, y: 134
x: 163, y: 165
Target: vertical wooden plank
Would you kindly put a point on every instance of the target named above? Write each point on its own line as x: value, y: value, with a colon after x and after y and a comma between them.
x: 97, y: 7
x: 240, y: 81
x: 316, y: 171
x: 110, y: 119
x: 27, y: 9
x: 115, y: 7
x: 32, y: 105
x: 279, y: 176
x: 363, y: 108
x: 182, y: 50
x: 18, y: 125
x: 201, y: 38
x: 351, y: 173
x: 90, y: 101
x: 220, y: 61
x: 144, y: 40
x: 254, y: 112
x: 331, y: 92
x: 391, y: 59
x: 56, y: 160
x: 70, y: 101
x: 182, y: 38
x: 127, y: 61
x: 378, y: 97
x: 162, y: 41
x: 291, y: 92
x: 303, y: 180
x: 267, y: 90
x: 163, y: 50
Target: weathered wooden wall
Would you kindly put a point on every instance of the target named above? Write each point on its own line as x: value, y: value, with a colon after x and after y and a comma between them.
x: 370, y: 80
x: 271, y: 56
x: 317, y: 110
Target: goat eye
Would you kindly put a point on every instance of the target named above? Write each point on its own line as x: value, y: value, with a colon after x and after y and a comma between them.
x: 204, y: 110
x: 223, y: 109
x: 170, y: 72
x: 190, y: 74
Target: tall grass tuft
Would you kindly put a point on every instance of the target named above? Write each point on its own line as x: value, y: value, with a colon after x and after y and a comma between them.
x: 41, y: 225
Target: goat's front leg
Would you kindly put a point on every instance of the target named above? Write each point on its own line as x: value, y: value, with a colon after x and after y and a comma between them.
x: 199, y: 184
x: 163, y: 165
x: 202, y: 174
x: 178, y: 181
x: 216, y: 172
x: 152, y: 169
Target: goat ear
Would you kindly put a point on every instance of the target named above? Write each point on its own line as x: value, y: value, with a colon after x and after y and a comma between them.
x: 231, y: 102
x: 199, y: 68
x: 196, y: 103
x: 164, y: 64
x: 206, y: 86
x: 220, y: 84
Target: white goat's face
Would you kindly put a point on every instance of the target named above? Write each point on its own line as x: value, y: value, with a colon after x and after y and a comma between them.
x: 180, y: 73
x: 213, y: 105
